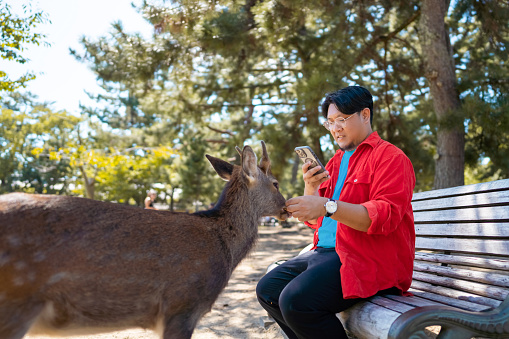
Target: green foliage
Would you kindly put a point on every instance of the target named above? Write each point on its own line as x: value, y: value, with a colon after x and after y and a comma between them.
x: 217, y: 74
x: 15, y: 33
x: 199, y: 182
x: 25, y: 129
x: 487, y: 136
x: 123, y: 176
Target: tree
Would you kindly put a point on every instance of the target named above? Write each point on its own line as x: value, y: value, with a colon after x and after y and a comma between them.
x: 198, y: 189
x: 481, y: 33
x: 26, y: 128
x: 123, y: 176
x: 440, y: 73
x: 267, y: 65
x: 16, y: 32
x: 109, y: 173
x: 243, y: 71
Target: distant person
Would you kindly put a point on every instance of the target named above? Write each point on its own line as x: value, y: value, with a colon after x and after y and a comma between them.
x: 149, y: 200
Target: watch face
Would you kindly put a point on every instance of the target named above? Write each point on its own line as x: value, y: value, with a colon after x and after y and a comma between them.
x: 331, y: 206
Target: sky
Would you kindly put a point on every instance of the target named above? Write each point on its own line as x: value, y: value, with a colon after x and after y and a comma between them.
x: 61, y: 79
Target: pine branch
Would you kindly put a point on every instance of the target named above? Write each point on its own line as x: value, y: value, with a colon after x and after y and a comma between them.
x: 217, y: 89
x: 275, y: 69
x: 220, y: 131
x: 248, y: 105
x: 384, y: 38
x: 215, y: 141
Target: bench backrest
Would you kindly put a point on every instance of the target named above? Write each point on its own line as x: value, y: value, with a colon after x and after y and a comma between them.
x: 463, y: 242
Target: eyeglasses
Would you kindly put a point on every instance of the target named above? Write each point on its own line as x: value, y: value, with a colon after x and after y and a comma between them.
x: 338, y: 122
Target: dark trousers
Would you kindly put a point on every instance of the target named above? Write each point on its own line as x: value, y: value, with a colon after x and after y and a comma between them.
x: 304, y: 294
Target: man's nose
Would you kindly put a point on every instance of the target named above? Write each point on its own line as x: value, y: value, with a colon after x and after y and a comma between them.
x: 336, y: 127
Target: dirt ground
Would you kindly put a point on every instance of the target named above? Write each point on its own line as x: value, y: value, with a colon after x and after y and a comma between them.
x: 236, y: 314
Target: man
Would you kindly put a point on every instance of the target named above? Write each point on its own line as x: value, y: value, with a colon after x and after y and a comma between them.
x: 364, y: 241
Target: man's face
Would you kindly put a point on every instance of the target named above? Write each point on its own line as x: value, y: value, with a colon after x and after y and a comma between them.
x: 350, y: 133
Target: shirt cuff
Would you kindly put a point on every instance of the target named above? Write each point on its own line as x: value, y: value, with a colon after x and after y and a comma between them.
x: 373, y: 215
x: 314, y: 226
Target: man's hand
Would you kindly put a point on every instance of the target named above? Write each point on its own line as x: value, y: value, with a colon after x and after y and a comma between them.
x: 312, y: 182
x: 306, y: 208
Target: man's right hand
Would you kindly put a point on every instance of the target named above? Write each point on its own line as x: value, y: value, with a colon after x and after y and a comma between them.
x: 312, y: 182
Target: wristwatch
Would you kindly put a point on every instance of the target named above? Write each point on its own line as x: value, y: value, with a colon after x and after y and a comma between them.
x: 330, y: 207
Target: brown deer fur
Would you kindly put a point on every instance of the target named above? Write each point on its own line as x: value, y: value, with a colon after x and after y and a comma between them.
x: 76, y: 266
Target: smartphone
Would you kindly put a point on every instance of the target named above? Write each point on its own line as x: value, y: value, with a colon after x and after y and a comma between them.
x: 306, y: 154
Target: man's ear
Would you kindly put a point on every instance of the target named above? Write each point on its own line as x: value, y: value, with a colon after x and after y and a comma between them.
x: 223, y: 168
x: 366, y: 115
x: 249, y: 165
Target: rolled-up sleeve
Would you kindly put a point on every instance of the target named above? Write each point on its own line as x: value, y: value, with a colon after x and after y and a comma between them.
x: 390, y: 194
x: 314, y: 226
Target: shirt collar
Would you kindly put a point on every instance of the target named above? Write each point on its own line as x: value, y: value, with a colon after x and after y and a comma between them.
x: 372, y: 140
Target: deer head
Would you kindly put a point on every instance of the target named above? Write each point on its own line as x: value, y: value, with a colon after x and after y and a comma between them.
x: 262, y: 187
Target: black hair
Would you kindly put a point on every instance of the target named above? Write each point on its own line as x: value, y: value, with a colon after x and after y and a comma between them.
x: 349, y: 100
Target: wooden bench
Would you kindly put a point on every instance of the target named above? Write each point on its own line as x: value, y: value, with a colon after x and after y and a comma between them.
x: 461, y: 270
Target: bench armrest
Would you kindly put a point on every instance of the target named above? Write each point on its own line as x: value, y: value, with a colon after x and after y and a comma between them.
x: 456, y: 324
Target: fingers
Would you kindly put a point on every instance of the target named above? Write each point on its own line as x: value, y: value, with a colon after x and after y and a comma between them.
x: 310, y: 172
x: 291, y: 204
x: 304, y: 208
x: 311, y: 178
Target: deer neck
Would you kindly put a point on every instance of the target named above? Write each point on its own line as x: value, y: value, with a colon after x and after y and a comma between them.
x: 238, y: 216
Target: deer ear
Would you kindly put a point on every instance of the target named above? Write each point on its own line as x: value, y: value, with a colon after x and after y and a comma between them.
x: 249, y: 163
x: 238, y: 150
x: 223, y: 168
x: 265, y: 161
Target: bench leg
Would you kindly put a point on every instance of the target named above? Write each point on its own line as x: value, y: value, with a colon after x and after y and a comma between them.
x: 456, y: 324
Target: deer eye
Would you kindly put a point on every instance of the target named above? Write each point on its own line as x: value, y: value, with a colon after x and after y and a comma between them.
x: 276, y: 185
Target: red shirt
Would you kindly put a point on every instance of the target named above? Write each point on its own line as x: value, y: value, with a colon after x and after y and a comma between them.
x: 381, y: 178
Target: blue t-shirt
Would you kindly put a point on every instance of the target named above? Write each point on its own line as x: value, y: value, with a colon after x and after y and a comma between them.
x: 327, y: 232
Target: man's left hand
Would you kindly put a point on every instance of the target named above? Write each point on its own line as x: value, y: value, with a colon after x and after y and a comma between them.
x: 307, y: 207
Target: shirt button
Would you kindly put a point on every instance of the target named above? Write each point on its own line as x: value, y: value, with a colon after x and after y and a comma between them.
x: 355, y: 180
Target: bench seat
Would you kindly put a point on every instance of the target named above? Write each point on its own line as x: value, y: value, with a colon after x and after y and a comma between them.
x: 461, y: 270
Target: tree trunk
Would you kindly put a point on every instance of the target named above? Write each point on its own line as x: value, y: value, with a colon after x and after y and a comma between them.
x: 440, y: 73
x: 172, y: 203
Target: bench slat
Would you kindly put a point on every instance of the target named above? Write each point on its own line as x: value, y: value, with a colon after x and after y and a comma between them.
x: 413, y: 301
x: 368, y: 320
x: 460, y: 273
x: 455, y: 294
x: 465, y: 305
x: 494, y: 292
x: 498, y: 264
x: 463, y: 215
x: 464, y: 230
x: 491, y: 246
x: 472, y: 200
x: 391, y: 304
x: 463, y: 190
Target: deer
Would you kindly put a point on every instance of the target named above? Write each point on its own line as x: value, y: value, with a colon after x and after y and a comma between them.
x: 75, y: 266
